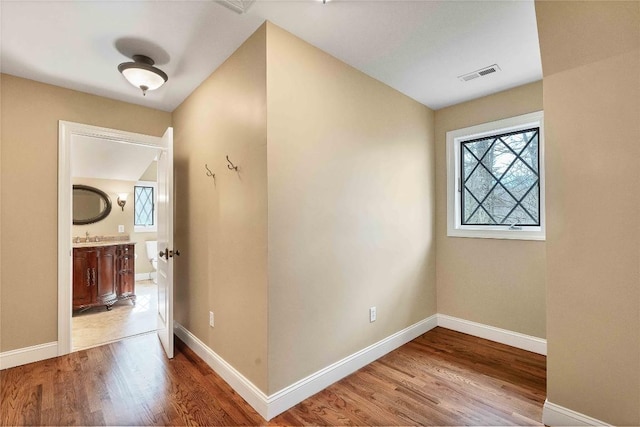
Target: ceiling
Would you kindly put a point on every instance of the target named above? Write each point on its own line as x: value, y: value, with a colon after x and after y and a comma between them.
x: 417, y: 47
x: 104, y: 159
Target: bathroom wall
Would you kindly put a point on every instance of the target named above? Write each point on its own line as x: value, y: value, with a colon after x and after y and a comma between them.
x: 109, y: 225
x: 29, y: 194
x: 151, y: 174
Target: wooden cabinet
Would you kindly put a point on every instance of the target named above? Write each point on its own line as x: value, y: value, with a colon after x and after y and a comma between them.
x: 85, y: 267
x: 102, y: 275
x: 106, y: 284
x: 126, y: 272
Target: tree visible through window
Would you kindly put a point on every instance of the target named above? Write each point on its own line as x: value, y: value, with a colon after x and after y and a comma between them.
x: 495, y: 179
x: 500, y: 179
x: 143, y: 206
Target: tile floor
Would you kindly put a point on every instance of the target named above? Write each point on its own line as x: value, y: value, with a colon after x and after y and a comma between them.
x: 98, y: 326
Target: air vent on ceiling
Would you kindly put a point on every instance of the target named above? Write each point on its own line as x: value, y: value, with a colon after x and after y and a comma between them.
x: 479, y: 73
x: 238, y: 6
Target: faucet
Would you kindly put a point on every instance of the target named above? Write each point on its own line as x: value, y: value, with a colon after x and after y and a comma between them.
x: 86, y: 237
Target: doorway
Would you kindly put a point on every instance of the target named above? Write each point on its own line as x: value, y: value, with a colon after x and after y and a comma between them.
x: 107, y: 280
x: 121, y: 301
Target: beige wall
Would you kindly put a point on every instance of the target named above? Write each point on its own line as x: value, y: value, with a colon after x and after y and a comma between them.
x: 347, y: 218
x: 495, y: 282
x: 151, y: 174
x: 109, y: 225
x: 592, y: 119
x: 30, y: 115
x: 347, y: 228
x: 351, y: 209
x: 221, y: 224
x: 1, y: 207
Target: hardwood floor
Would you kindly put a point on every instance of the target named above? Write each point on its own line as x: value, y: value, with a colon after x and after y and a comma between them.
x: 440, y: 378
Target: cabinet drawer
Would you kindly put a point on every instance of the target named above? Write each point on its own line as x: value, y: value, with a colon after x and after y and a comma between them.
x: 126, y: 250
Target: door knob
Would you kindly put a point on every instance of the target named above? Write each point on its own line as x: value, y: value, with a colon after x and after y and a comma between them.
x: 166, y: 254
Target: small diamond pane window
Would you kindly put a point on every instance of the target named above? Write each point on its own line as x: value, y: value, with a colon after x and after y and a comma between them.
x: 143, y: 206
x: 500, y: 179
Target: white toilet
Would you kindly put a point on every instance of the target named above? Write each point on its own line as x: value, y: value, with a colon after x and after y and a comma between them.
x: 152, y: 254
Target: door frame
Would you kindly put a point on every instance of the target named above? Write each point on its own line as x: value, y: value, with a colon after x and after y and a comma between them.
x: 66, y: 131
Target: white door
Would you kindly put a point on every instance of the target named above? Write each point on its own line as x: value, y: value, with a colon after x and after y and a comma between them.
x: 165, y: 243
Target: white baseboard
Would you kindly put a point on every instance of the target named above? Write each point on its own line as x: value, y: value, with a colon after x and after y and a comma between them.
x: 245, y: 388
x: 558, y: 416
x: 503, y: 336
x: 307, y: 387
x: 143, y: 276
x: 25, y: 355
x: 270, y: 406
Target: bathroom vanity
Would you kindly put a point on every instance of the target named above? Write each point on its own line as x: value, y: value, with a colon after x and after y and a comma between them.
x: 103, y: 273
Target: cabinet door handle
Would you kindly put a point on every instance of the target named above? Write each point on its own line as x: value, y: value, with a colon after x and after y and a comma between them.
x: 93, y: 276
x: 88, y: 277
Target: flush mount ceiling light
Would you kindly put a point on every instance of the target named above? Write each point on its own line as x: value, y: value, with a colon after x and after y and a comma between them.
x: 142, y: 74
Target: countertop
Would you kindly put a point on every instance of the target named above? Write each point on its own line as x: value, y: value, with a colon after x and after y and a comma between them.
x: 102, y: 243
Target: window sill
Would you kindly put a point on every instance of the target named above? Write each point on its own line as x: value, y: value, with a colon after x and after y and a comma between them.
x: 497, y: 234
x: 141, y: 229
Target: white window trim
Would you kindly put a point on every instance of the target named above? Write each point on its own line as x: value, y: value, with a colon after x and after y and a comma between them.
x: 454, y: 228
x: 154, y: 227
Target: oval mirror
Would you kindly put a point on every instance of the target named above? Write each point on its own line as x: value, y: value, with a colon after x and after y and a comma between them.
x: 89, y: 205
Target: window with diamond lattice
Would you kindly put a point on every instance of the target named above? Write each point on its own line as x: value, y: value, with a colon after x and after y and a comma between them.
x: 495, y: 179
x: 143, y: 206
x: 500, y: 179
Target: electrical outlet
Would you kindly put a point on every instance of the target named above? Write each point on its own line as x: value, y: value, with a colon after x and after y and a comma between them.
x: 211, y: 319
x: 372, y: 314
x: 121, y: 229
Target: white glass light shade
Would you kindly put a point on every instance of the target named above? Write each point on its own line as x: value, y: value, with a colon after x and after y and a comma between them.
x: 139, y: 77
x: 123, y: 196
x: 142, y: 74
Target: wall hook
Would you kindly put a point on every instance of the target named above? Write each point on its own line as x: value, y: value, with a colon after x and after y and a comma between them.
x: 209, y: 173
x: 231, y: 166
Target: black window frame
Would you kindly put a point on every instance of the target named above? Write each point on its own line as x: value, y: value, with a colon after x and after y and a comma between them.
x: 497, y: 137
x: 153, y: 206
